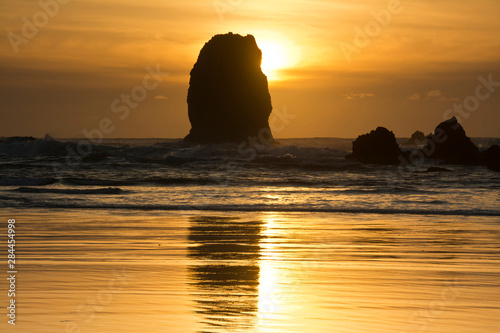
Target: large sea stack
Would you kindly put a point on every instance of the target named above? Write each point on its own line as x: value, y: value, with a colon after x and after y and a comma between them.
x: 228, y: 97
x: 450, y: 144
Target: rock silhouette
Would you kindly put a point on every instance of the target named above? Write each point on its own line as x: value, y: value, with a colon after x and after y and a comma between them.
x: 450, y: 144
x: 228, y: 97
x: 377, y: 147
x: 18, y: 139
x: 437, y: 169
x: 491, y: 157
x: 416, y: 138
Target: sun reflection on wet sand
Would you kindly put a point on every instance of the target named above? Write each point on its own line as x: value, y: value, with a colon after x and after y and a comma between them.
x: 269, y: 279
x: 262, y: 272
x: 378, y: 274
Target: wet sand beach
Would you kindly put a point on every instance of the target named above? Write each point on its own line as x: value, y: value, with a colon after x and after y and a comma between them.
x: 131, y: 271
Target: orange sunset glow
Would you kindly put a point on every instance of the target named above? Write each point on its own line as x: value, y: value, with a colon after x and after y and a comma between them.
x: 249, y: 166
x: 342, y: 67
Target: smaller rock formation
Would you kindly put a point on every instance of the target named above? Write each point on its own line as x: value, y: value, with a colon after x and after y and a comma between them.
x: 450, y: 144
x: 491, y: 158
x: 437, y: 169
x: 377, y: 147
x: 434, y: 169
x: 18, y: 139
x: 416, y: 138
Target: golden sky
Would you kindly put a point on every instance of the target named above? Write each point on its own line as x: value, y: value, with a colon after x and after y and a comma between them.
x: 341, y: 68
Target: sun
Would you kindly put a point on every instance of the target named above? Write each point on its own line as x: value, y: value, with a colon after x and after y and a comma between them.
x: 273, y: 56
x: 277, y: 55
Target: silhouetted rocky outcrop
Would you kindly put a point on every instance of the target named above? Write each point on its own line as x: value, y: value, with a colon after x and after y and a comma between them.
x: 18, y: 139
x: 450, y: 144
x: 437, y: 169
x: 228, y: 97
x: 416, y: 138
x: 376, y: 147
x: 491, y: 158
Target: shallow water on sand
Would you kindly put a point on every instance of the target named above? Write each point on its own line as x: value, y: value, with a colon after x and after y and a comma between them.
x: 128, y: 271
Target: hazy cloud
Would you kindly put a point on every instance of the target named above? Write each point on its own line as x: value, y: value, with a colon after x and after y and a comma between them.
x: 432, y: 95
x: 351, y: 96
x: 438, y: 95
x: 415, y: 97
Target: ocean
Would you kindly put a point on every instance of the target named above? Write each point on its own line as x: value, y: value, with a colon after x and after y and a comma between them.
x: 159, y: 235
x: 294, y: 175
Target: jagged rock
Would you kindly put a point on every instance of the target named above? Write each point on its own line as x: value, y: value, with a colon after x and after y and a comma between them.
x: 450, y: 144
x: 491, y: 158
x: 416, y: 138
x: 228, y: 97
x: 437, y: 169
x: 434, y: 169
x: 18, y: 139
x: 376, y: 147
